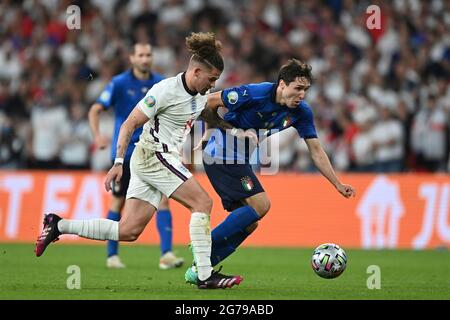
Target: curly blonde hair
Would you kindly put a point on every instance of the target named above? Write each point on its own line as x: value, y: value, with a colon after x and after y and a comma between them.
x: 205, y: 49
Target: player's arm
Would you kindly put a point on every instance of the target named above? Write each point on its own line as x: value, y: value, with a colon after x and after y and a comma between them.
x: 101, y: 142
x: 322, y: 162
x: 213, y: 120
x: 104, y: 101
x: 210, y: 115
x: 136, y: 119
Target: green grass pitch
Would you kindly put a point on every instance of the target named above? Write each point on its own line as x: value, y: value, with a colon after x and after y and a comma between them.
x: 269, y: 273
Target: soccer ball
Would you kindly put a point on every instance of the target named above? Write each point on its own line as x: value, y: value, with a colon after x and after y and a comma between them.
x: 329, y: 260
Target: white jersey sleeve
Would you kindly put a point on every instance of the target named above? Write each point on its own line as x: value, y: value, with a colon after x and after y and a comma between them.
x: 154, y: 101
x: 171, y: 110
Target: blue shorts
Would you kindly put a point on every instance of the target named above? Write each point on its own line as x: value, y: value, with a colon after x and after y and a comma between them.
x: 233, y: 183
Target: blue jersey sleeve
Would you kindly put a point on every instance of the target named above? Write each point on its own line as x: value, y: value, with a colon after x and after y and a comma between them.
x: 236, y: 97
x: 305, y: 125
x: 106, y: 98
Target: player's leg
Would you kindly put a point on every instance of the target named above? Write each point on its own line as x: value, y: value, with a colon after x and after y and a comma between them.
x: 136, y: 215
x: 136, y: 212
x: 237, y: 226
x: 195, y: 198
x: 113, y: 260
x: 243, y: 195
x: 191, y: 195
x: 142, y: 201
x: 168, y: 175
x: 119, y: 191
x: 168, y: 259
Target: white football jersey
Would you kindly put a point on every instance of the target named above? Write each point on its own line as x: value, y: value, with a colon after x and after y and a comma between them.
x: 172, y: 110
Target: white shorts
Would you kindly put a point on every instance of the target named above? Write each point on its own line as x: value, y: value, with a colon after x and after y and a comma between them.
x: 153, y: 174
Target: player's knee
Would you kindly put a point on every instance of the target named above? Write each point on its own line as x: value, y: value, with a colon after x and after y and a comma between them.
x: 262, y: 207
x: 130, y: 236
x: 134, y: 235
x: 127, y: 233
x: 204, y: 204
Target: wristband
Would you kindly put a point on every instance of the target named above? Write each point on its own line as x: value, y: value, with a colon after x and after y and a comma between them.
x: 234, y: 131
x: 118, y: 161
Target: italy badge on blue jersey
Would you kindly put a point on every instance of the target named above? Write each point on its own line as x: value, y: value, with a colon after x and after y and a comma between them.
x: 287, y: 121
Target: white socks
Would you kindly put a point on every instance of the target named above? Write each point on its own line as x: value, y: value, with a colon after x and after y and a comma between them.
x: 97, y: 229
x: 200, y: 232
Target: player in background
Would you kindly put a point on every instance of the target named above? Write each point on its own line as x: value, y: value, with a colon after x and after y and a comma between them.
x: 123, y: 92
x: 167, y: 112
x: 266, y: 105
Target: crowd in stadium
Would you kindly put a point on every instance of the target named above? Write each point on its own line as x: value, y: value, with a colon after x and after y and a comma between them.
x: 381, y: 97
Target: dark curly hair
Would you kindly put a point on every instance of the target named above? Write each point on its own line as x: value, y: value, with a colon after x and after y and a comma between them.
x: 293, y: 69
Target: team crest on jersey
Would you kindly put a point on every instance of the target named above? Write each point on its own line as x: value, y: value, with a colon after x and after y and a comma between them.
x: 232, y: 97
x: 105, y: 96
x: 247, y: 183
x: 150, y: 101
x: 287, y: 122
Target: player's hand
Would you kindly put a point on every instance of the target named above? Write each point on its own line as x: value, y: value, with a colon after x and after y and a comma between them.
x: 114, y: 174
x: 199, y: 145
x: 346, y: 190
x: 101, y: 142
x: 250, y: 134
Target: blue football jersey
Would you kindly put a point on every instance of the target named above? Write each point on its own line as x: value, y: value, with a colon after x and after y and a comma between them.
x: 253, y: 106
x: 123, y: 93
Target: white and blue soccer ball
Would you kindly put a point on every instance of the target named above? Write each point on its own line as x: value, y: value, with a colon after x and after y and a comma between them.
x: 329, y: 260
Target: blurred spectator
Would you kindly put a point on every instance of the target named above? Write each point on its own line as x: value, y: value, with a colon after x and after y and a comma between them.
x: 101, y: 159
x: 48, y: 122
x: 75, y: 140
x: 429, y: 137
x: 388, y: 142
x: 11, y: 145
x: 363, y: 144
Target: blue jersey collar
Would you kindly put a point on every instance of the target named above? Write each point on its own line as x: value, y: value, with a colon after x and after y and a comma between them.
x: 273, y: 93
x: 130, y: 72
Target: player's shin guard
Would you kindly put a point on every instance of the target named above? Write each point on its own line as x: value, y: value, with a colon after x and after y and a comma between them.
x: 199, y: 229
x: 96, y: 229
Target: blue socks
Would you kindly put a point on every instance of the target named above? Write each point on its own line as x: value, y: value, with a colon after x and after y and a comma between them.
x: 164, y: 225
x: 228, y: 235
x: 113, y: 246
